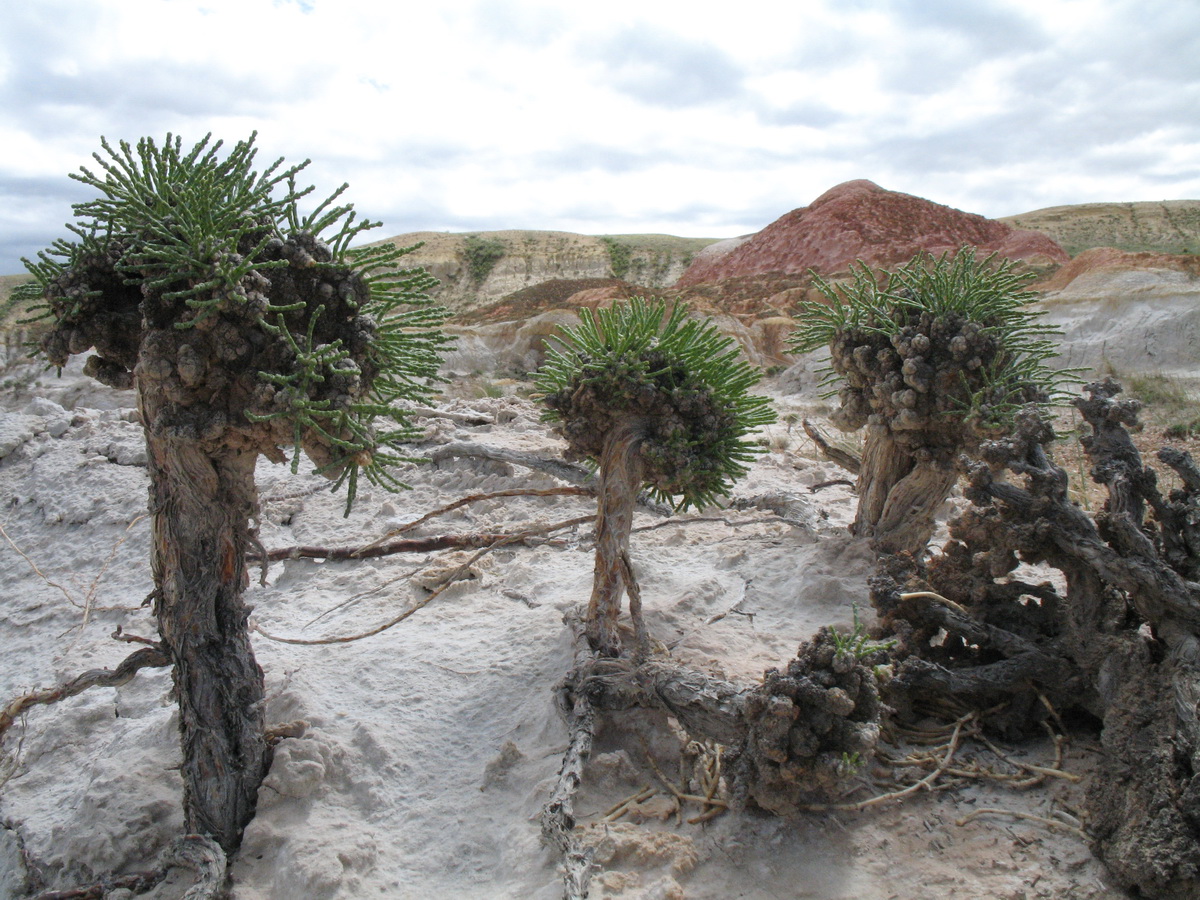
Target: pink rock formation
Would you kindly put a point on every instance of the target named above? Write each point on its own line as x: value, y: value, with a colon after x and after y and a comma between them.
x: 861, y: 220
x: 1110, y: 259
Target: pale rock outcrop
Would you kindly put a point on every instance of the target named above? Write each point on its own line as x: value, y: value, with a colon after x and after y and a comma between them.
x: 521, y: 259
x: 1127, y: 320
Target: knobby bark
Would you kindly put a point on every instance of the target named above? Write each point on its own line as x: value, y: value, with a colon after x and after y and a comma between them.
x: 202, y: 498
x: 899, y: 494
x: 1121, y: 642
x: 620, y: 479
x: 787, y: 735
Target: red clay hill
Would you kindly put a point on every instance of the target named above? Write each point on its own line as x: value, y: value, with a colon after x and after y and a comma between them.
x: 859, y: 220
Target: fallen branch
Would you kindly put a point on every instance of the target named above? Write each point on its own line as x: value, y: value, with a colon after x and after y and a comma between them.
x: 502, y: 540
x: 832, y: 482
x: 788, y: 507
x: 147, y: 657
x: 563, y: 471
x: 476, y: 498
x: 847, y: 461
x: 199, y: 853
x: 558, y: 815
x: 415, y: 545
x: 1029, y: 817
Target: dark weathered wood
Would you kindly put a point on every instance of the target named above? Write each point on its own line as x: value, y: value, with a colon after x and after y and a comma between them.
x: 620, y: 478
x: 847, y: 461
x: 202, y: 497
x: 146, y: 658
x: 1129, y: 622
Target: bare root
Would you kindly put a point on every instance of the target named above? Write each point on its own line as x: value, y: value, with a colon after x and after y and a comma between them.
x: 148, y: 657
x: 199, y: 853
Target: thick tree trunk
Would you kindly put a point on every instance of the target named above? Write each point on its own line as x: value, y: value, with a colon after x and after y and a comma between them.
x: 201, y: 500
x: 620, y: 480
x: 898, y: 496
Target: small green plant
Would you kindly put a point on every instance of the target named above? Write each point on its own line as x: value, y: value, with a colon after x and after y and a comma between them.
x: 247, y: 328
x: 1183, y: 430
x: 849, y: 764
x: 488, y: 389
x: 679, y: 378
x: 482, y: 255
x: 620, y: 256
x: 857, y: 645
x: 1159, y: 390
x: 936, y: 357
x: 652, y: 398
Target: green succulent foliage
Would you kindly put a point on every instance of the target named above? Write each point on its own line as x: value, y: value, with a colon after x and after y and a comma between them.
x: 951, y: 338
x: 196, y: 240
x: 679, y: 375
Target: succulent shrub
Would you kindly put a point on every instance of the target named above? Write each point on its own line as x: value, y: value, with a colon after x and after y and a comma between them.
x: 246, y: 328
x: 933, y: 358
x: 655, y: 399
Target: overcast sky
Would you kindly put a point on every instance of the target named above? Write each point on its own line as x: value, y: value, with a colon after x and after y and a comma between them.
x: 622, y: 116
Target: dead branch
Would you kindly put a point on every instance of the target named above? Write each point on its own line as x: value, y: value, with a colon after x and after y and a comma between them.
x: 564, y: 471
x: 574, y: 491
x: 832, y: 482
x: 502, y: 540
x: 417, y: 545
x: 147, y: 657
x: 1028, y: 817
x: 558, y: 815
x: 847, y: 461
x: 199, y: 853
x: 789, y: 507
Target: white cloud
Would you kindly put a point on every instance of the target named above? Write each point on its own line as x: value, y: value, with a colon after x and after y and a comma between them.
x: 687, y: 117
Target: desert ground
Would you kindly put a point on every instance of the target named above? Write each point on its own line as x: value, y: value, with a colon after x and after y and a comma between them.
x: 420, y: 756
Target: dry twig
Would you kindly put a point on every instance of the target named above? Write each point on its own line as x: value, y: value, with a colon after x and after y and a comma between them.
x: 499, y: 540
x: 476, y: 498
x: 147, y: 657
x: 925, y: 783
x: 197, y: 852
x: 1029, y: 817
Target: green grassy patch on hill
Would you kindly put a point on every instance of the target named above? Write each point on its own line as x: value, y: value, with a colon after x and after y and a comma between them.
x: 1169, y: 226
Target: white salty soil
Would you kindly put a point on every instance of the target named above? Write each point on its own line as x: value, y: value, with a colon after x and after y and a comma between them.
x: 429, y: 749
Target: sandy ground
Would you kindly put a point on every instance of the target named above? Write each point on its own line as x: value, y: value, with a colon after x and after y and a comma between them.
x: 429, y: 749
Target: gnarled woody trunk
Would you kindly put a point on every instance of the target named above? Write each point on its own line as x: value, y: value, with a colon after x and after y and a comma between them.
x: 899, y: 494
x: 621, y: 472
x: 202, y: 496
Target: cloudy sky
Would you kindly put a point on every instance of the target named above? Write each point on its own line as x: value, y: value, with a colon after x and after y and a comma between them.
x: 691, y: 118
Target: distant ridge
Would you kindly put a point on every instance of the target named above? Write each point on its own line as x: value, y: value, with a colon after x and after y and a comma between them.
x: 1167, y: 226
x: 654, y: 262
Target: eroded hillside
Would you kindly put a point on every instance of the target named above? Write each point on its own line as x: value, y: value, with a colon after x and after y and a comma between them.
x: 480, y: 268
x: 1169, y: 226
